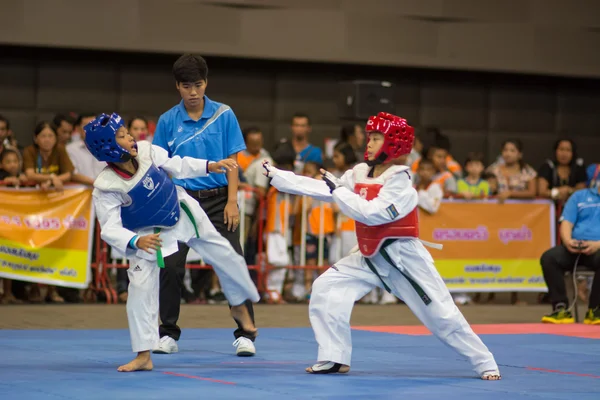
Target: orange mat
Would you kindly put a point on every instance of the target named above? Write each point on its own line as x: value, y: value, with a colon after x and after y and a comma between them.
x: 575, y: 330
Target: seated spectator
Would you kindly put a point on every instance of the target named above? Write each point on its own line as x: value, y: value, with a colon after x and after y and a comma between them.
x: 138, y: 128
x: 354, y: 135
x: 64, y: 128
x: 560, y: 177
x: 10, y: 168
x: 593, y: 175
x: 516, y: 179
x: 473, y: 186
x: 580, y: 235
x: 430, y: 192
x: 344, y: 158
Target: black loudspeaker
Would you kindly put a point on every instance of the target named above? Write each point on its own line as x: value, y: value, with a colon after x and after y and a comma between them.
x: 361, y: 99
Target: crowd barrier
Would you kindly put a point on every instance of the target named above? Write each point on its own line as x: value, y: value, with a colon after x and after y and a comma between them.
x: 45, y: 237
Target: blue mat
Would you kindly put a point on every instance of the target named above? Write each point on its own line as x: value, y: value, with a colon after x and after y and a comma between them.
x: 79, y: 364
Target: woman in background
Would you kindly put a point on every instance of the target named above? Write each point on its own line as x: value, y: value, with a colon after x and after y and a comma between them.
x: 516, y: 180
x: 48, y: 164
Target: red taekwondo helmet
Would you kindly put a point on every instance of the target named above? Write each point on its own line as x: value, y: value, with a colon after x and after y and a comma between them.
x: 398, y: 137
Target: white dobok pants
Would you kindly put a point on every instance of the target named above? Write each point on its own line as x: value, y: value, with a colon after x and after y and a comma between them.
x: 335, y: 292
x: 144, y: 280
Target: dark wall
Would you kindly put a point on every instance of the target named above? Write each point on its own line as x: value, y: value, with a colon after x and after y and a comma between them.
x: 478, y: 111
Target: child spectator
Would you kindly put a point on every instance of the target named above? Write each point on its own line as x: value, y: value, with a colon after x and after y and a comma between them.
x: 10, y: 172
x: 492, y: 182
x: 10, y: 175
x: 473, y: 186
x: 344, y: 158
x: 438, y: 155
x: 313, y: 228
x: 277, y: 226
x: 430, y: 192
x: 439, y: 141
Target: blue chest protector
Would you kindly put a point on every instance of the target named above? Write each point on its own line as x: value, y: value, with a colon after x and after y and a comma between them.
x: 154, y: 202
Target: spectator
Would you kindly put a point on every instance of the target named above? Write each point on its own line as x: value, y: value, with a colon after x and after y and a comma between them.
x: 354, y: 135
x: 4, y: 133
x: 430, y: 192
x: 438, y: 155
x: 64, y: 128
x: 560, y: 177
x: 438, y: 140
x: 45, y: 162
x: 250, y: 163
x: 415, y: 154
x: 344, y: 158
x: 492, y: 183
x: 87, y: 167
x: 10, y: 168
x: 138, y: 128
x: 277, y: 226
x: 473, y: 186
x: 593, y: 175
x: 580, y: 235
x: 48, y: 164
x: 10, y: 175
x: 303, y: 281
x: 516, y: 179
x: 305, y: 152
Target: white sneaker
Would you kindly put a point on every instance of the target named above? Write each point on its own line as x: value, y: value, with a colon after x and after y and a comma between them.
x: 166, y: 345
x: 245, y: 347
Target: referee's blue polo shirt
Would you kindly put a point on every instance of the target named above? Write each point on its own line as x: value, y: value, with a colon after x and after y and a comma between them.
x: 215, y: 136
x: 583, y: 211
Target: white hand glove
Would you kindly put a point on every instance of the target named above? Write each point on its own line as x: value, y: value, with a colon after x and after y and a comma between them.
x: 269, y: 170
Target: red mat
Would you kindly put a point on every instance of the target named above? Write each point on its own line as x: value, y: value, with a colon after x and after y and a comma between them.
x: 576, y: 330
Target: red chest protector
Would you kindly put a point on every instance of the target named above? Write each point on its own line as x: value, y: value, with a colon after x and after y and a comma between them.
x: 370, y: 238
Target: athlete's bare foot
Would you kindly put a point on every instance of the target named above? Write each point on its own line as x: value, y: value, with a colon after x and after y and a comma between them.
x: 328, y: 367
x: 491, y: 375
x: 241, y: 315
x: 142, y: 362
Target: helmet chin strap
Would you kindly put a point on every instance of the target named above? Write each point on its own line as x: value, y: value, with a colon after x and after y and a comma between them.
x: 127, y: 156
x: 379, y: 160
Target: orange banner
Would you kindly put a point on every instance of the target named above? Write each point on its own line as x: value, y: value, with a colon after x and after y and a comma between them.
x: 46, y: 237
x: 490, y: 246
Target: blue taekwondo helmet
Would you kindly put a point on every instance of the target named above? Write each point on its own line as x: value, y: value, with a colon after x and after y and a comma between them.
x: 100, y: 138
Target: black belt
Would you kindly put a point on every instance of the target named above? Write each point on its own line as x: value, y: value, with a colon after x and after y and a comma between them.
x: 208, y: 193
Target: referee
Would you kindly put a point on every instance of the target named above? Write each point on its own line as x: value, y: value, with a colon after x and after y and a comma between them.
x: 201, y: 128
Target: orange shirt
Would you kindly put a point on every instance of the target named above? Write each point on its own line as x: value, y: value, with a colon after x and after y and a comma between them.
x: 244, y: 159
x: 276, y: 212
